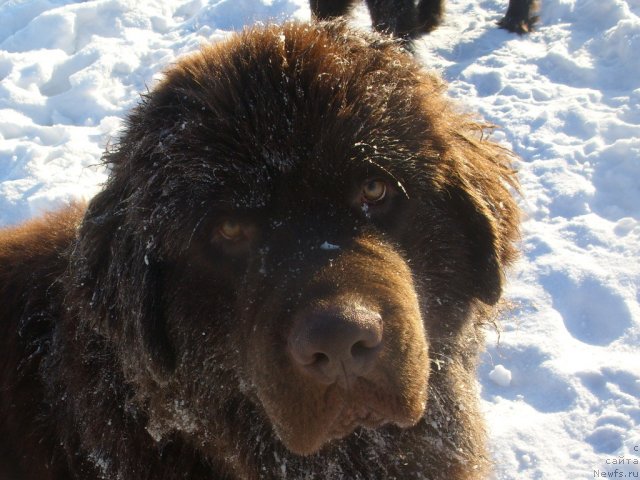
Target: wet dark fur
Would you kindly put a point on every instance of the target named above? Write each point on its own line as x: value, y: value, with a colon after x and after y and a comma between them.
x: 138, y: 343
x: 408, y: 19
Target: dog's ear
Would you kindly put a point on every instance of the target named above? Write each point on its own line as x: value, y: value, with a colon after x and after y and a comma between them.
x: 151, y: 318
x: 481, y: 185
x: 119, y: 274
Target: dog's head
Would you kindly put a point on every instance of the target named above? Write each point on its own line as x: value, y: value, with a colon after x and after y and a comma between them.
x: 294, y: 220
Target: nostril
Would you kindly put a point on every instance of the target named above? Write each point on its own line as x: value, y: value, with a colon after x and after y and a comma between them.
x: 319, y: 360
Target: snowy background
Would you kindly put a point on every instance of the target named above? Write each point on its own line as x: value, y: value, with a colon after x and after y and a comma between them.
x: 561, y: 385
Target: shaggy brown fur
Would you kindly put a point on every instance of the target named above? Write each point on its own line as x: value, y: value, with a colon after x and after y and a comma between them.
x: 408, y: 19
x: 285, y: 276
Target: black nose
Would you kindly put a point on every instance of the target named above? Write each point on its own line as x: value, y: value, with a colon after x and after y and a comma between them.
x: 336, y: 344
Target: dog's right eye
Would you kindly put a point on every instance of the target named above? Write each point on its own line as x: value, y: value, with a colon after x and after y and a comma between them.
x: 231, y: 230
x: 374, y: 191
x: 233, y: 236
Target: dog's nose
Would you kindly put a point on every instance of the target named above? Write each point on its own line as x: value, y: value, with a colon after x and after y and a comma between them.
x: 336, y: 344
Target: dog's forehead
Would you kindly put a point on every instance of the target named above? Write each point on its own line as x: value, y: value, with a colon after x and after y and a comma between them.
x: 290, y: 98
x: 289, y: 179
x: 310, y: 173
x: 287, y: 113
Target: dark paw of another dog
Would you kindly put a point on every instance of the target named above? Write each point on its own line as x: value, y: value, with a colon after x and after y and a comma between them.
x: 518, y: 25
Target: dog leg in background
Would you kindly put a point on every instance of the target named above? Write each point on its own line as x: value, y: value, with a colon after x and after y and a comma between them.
x: 327, y: 9
x: 521, y: 16
x: 396, y: 17
x: 430, y: 13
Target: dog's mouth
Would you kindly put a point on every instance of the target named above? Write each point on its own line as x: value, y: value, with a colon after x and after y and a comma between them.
x: 310, y: 427
x: 352, y: 417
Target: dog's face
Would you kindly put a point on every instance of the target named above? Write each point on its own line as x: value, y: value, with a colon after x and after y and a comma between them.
x: 328, y: 317
x: 301, y: 223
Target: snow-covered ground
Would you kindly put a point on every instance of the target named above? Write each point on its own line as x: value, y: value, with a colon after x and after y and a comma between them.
x: 561, y: 384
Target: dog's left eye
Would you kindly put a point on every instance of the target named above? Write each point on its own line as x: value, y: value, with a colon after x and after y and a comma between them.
x: 374, y: 191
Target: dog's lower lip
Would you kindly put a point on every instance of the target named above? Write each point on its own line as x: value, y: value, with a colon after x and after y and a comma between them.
x: 354, y: 417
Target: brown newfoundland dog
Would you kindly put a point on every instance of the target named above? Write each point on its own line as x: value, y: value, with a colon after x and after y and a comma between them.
x: 285, y: 276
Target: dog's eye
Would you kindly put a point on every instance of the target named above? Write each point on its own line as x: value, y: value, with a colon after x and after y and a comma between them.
x: 374, y: 191
x: 235, y: 237
x: 231, y: 230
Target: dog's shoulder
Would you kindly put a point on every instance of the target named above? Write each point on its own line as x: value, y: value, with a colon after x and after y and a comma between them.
x: 36, y: 248
x: 33, y: 257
